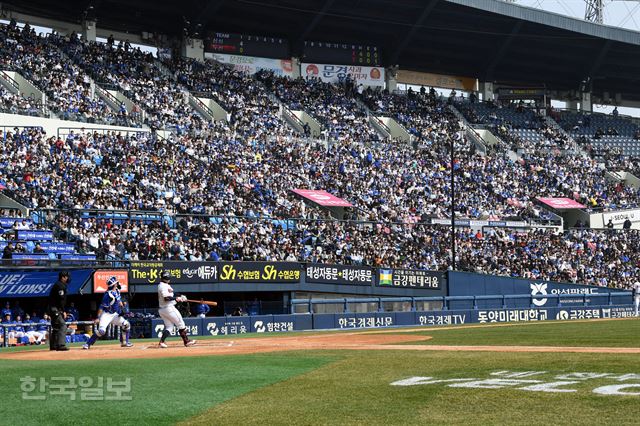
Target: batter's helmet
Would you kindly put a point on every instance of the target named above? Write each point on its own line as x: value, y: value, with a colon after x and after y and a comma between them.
x: 165, y: 276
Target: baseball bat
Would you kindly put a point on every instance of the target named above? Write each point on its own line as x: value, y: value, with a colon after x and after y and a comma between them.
x: 206, y: 302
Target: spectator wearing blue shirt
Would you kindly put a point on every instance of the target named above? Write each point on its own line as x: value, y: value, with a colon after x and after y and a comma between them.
x: 17, y: 310
x: 7, y: 311
x: 73, y: 311
x: 8, y: 330
x: 18, y: 330
x: 202, y: 310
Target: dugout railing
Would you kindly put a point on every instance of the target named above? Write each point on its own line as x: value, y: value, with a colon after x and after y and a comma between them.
x: 139, y: 327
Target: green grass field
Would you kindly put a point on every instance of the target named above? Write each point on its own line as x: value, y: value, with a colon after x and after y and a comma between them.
x: 354, y: 387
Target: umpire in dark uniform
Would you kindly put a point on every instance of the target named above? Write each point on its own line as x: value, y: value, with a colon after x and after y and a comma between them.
x: 57, y: 304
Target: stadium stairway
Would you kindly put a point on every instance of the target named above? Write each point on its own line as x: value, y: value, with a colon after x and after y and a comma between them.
x: 15, y: 83
x: 387, y: 127
x: 110, y: 94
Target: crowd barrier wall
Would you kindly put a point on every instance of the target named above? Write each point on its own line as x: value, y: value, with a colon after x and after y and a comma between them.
x: 229, y: 325
x: 472, y: 284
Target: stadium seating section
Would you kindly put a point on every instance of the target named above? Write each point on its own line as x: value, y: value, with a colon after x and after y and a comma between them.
x: 221, y: 190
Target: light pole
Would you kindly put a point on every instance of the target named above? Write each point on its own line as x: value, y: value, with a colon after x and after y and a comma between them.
x: 453, y: 208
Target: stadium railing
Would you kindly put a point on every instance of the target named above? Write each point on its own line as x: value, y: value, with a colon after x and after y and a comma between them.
x: 467, y: 302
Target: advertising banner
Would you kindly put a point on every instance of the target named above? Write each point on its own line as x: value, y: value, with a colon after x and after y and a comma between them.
x: 192, y: 325
x: 409, y: 278
x: 328, y: 73
x: 7, y: 222
x: 339, y: 274
x: 35, y: 235
x: 59, y: 248
x: 470, y: 284
x: 322, y: 198
x: 37, y: 284
x: 561, y: 203
x: 467, y: 84
x: 253, y: 64
x: 148, y: 272
x: 619, y: 217
x: 28, y: 256
x: 101, y: 277
x: 260, y: 272
x: 216, y: 326
x: 215, y: 272
x: 521, y: 93
x: 77, y: 257
x: 481, y: 223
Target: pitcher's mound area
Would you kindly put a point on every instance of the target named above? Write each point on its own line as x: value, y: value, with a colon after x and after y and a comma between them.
x: 332, y: 341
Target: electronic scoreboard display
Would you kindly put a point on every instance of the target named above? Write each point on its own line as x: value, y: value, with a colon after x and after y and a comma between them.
x: 248, y: 45
x: 342, y: 54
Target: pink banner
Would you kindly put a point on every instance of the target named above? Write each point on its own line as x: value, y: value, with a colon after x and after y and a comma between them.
x: 322, y: 197
x: 561, y: 203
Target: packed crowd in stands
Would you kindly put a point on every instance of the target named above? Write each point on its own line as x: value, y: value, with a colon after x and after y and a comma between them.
x: 553, y: 165
x: 253, y: 114
x: 12, y: 103
x: 67, y: 87
x: 423, y: 115
x: 137, y: 76
x: 602, y: 258
x: 242, y: 172
x: 333, y: 105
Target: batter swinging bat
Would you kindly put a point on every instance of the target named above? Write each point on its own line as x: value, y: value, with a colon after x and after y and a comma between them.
x: 206, y: 302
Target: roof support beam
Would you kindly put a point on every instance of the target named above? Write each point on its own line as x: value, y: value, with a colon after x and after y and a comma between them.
x: 600, y: 59
x: 412, y: 31
x: 506, y: 44
x: 209, y: 9
x: 317, y: 17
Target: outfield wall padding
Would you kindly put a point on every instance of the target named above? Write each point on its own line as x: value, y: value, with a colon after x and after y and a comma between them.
x: 214, y: 326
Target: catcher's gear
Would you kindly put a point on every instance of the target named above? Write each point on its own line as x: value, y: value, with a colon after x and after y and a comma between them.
x: 113, y: 283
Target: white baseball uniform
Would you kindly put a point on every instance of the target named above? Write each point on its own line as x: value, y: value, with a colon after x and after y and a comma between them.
x: 35, y: 335
x: 167, y: 308
x: 636, y: 288
x: 107, y: 318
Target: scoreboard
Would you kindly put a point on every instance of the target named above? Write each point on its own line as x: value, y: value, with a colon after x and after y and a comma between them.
x: 342, y: 53
x: 248, y: 45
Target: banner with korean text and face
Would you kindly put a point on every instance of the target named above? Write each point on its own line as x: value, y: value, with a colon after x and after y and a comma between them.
x: 253, y: 64
x: 328, y: 73
x: 101, y: 279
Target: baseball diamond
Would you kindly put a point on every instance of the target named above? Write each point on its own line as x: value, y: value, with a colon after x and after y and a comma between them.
x: 415, y: 375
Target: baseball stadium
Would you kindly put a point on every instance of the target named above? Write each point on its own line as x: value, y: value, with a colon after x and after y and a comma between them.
x: 223, y: 212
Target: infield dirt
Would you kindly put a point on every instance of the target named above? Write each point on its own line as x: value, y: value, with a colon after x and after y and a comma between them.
x: 387, y: 340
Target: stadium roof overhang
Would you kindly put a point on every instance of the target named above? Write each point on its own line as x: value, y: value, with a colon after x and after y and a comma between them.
x: 487, y: 39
